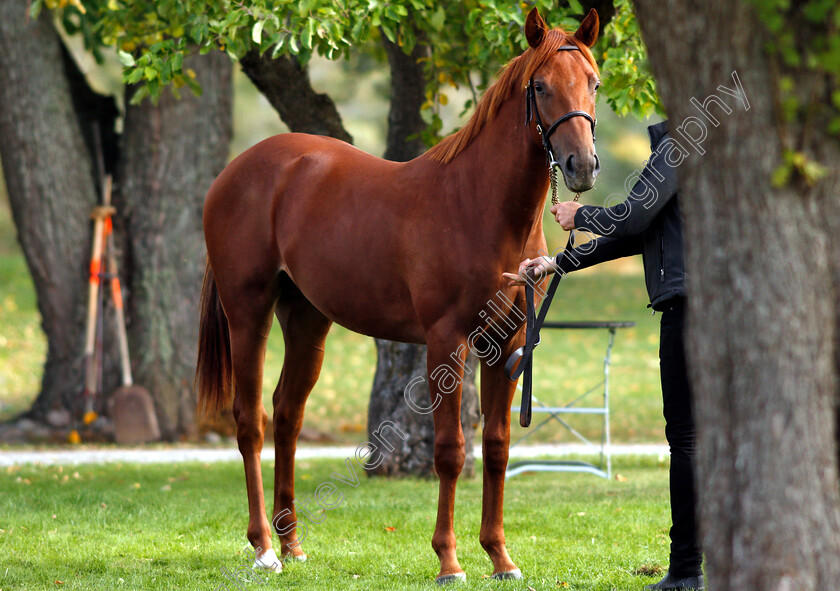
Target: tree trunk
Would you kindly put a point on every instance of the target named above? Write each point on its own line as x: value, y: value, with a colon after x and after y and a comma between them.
x: 762, y: 307
x: 51, y: 191
x: 398, y: 363
x: 171, y: 153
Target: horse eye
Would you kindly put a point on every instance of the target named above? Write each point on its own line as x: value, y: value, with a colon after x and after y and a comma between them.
x: 597, y: 86
x: 538, y: 87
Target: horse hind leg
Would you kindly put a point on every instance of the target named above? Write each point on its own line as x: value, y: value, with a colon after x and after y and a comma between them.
x: 304, y: 332
x: 249, y: 312
x: 445, y: 390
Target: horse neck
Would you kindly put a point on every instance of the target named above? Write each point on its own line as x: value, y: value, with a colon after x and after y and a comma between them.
x: 506, y: 174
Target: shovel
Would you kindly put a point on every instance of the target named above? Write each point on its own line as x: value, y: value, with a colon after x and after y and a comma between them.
x: 132, y: 407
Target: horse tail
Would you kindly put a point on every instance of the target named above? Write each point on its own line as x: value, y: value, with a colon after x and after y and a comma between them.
x: 213, y: 372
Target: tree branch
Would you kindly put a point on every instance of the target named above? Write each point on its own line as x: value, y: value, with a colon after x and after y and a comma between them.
x: 286, y: 85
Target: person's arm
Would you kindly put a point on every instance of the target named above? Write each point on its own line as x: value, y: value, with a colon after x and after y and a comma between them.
x: 656, y: 186
x: 573, y: 259
x: 600, y: 250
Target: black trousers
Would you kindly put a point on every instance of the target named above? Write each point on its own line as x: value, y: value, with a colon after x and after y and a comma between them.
x: 686, y: 556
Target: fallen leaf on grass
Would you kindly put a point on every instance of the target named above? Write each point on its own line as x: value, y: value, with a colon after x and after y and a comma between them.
x: 620, y: 478
x: 389, y: 528
x: 563, y: 584
x: 649, y: 570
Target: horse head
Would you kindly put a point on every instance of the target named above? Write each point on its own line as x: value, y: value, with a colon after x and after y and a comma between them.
x: 562, y: 89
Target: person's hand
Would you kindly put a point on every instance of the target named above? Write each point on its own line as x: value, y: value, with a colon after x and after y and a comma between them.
x: 537, y: 268
x: 564, y: 214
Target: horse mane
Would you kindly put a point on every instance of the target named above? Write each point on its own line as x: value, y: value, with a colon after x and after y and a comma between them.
x: 514, y: 76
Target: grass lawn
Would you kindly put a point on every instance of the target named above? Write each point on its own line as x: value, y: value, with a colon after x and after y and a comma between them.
x: 175, y: 526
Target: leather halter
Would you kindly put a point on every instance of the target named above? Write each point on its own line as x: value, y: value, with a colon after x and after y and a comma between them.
x: 532, y: 111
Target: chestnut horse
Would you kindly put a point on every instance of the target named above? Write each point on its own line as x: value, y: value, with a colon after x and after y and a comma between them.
x: 316, y: 231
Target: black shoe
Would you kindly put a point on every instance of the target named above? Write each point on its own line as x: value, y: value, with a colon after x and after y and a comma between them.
x: 671, y: 582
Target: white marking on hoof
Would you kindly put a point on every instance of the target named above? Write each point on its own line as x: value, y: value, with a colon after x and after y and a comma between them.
x: 453, y: 578
x: 298, y: 558
x: 269, y: 562
x: 508, y: 575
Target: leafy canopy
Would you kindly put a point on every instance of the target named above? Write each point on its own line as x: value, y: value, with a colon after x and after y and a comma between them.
x: 468, y: 40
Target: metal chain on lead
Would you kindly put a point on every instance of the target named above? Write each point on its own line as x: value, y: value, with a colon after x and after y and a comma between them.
x: 552, y: 176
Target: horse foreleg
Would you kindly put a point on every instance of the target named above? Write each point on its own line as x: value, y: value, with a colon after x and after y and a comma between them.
x: 445, y: 376
x: 304, y: 331
x: 248, y: 338
x: 496, y: 397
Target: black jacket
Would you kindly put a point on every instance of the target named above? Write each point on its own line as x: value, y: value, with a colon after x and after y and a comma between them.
x: 647, y: 222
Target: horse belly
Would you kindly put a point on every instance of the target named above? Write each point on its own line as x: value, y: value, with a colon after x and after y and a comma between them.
x: 373, y: 309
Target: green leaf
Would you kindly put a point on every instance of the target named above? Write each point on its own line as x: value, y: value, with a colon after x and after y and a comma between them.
x: 306, y: 37
x: 438, y: 18
x: 256, y: 32
x: 781, y: 176
x: 126, y: 59
x: 142, y: 92
x: 135, y: 76
x: 388, y: 29
x: 576, y: 7
x: 35, y: 9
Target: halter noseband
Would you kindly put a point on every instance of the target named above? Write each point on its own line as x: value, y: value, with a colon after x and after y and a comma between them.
x: 532, y: 110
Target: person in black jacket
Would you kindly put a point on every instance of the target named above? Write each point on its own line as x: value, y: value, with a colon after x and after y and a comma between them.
x: 648, y: 222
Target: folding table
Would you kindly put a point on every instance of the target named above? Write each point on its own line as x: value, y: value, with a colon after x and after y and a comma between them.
x: 604, y: 467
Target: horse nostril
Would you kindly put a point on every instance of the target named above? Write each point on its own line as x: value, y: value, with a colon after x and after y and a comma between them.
x: 597, y: 165
x: 569, y: 166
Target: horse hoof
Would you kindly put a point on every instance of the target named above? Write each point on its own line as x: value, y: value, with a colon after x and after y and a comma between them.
x: 508, y: 575
x: 269, y: 562
x: 453, y: 578
x: 297, y: 557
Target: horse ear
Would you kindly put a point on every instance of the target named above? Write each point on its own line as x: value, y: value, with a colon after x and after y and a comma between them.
x: 535, y: 28
x: 587, y: 32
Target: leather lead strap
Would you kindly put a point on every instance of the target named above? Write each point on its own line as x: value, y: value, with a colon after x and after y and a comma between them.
x: 525, y: 354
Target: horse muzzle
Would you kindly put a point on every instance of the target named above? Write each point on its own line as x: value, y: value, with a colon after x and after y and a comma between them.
x: 580, y: 171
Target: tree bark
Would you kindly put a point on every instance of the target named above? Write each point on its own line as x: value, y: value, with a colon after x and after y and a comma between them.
x: 398, y: 363
x: 51, y: 191
x: 171, y: 153
x: 762, y: 304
